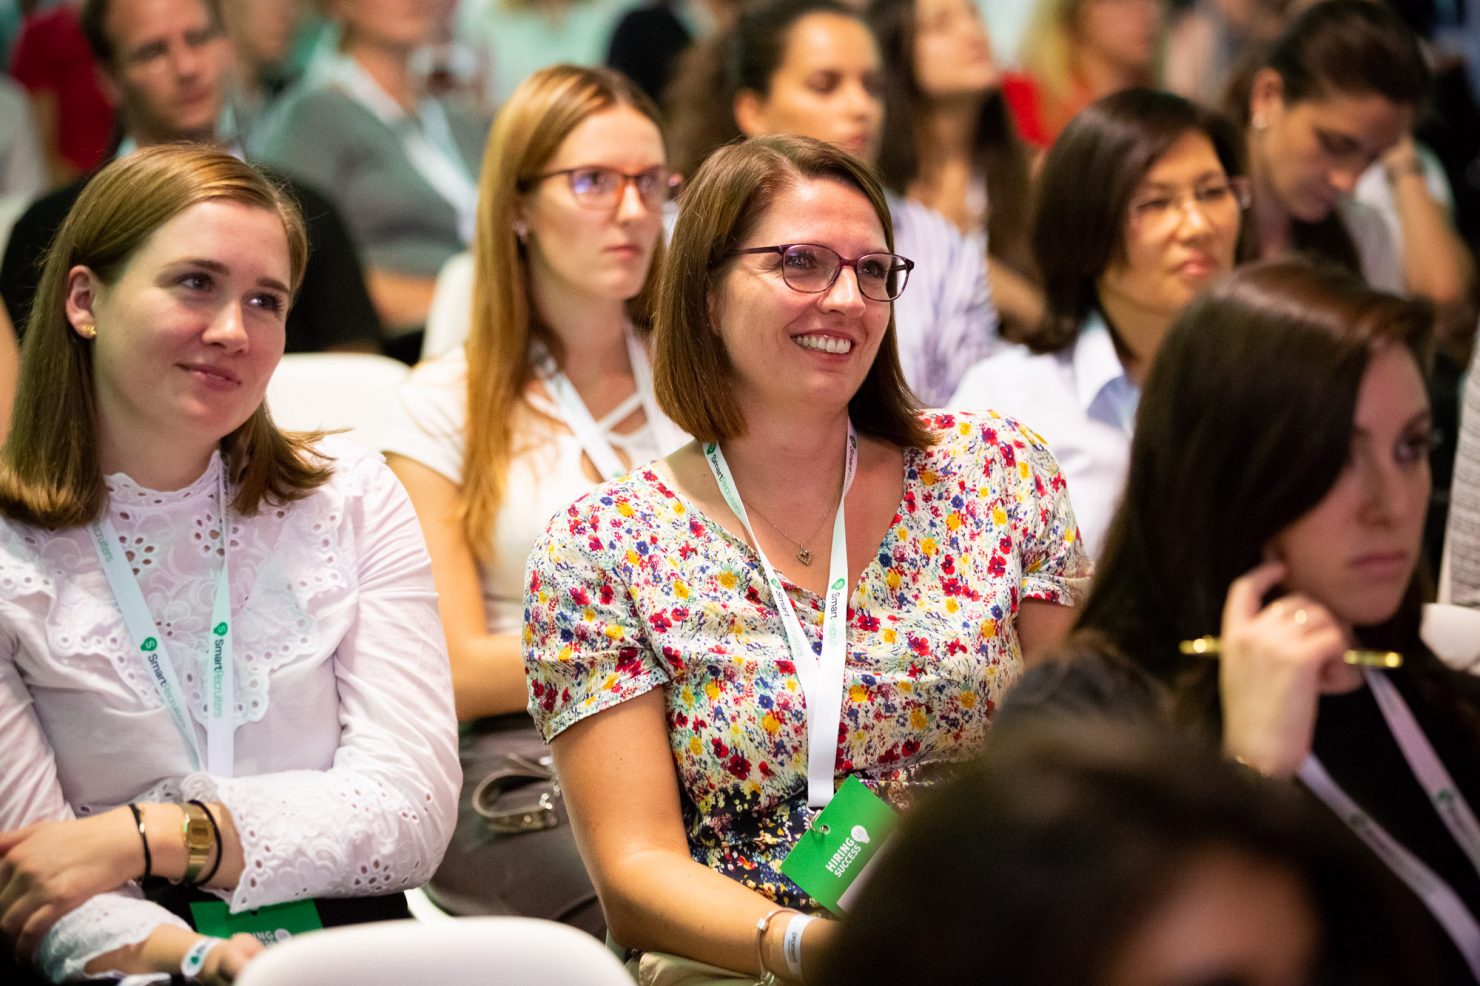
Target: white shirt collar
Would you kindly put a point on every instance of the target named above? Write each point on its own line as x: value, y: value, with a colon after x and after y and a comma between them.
x: 1100, y: 382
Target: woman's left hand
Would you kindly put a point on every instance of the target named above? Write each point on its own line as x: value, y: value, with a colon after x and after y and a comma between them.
x: 49, y: 868
x: 227, y: 960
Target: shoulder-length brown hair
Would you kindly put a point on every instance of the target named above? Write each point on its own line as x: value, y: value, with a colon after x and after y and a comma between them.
x: 732, y: 191
x: 50, y: 468
x: 530, y: 128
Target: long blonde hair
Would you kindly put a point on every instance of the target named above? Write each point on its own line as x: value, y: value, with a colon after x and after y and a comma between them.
x: 51, y: 465
x: 1048, y: 50
x: 539, y: 115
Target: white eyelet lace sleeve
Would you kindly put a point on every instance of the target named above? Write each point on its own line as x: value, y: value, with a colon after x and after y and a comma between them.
x: 346, y: 771
x: 379, y: 818
x: 32, y: 793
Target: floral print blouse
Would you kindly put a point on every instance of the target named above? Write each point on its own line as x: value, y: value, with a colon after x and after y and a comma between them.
x: 632, y: 589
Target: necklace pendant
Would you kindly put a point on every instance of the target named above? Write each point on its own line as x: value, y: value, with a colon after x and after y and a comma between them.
x: 804, y: 556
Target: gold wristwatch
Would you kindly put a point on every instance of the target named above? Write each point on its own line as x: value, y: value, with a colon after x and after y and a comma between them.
x: 199, y: 838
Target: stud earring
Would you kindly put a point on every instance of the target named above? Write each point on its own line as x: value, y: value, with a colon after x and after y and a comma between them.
x: 1259, y: 123
x: 88, y: 331
x: 521, y: 230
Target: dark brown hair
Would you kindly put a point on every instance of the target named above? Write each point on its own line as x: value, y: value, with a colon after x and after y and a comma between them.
x: 1038, y: 865
x: 1001, y: 155
x: 1346, y: 47
x: 734, y: 188
x: 1349, y: 47
x: 1244, y: 425
x: 1084, y: 191
x: 50, y: 466
x: 701, y: 98
x: 94, y: 20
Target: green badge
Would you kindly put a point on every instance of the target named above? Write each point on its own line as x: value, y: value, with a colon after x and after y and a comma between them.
x: 221, y: 629
x: 149, y: 644
x: 267, y: 924
x: 829, y: 859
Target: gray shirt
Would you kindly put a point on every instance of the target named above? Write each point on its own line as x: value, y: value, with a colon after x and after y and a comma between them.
x: 322, y: 136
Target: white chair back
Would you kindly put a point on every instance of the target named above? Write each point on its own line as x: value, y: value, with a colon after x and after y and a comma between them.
x: 1453, y: 634
x: 483, y: 951
x: 451, y: 316
x: 357, y: 391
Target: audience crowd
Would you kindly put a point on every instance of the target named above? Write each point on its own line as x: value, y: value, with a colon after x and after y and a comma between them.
x: 893, y: 491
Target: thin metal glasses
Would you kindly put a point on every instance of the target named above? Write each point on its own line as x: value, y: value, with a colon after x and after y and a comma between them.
x: 602, y: 188
x: 812, y: 268
x: 1218, y: 201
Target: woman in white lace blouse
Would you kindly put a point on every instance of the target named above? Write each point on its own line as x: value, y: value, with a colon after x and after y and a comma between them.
x: 220, y: 658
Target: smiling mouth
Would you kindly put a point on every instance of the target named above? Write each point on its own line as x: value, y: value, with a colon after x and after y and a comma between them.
x: 824, y: 344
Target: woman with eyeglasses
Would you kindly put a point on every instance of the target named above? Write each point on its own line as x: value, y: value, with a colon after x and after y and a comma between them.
x: 551, y: 395
x: 827, y: 585
x: 1138, y: 211
x: 812, y: 67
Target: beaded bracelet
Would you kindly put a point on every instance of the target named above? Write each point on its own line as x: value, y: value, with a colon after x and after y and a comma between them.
x: 143, y: 838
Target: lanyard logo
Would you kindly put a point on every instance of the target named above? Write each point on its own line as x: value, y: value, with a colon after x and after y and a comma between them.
x: 149, y: 644
x: 220, y: 630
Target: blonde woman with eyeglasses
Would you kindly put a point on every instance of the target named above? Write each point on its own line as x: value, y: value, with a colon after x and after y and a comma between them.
x: 551, y: 395
x: 1139, y: 209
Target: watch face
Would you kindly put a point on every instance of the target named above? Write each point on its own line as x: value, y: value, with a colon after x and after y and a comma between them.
x: 198, y: 837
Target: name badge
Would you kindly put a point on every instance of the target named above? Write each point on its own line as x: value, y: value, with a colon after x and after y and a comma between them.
x: 833, y: 857
x: 268, y: 925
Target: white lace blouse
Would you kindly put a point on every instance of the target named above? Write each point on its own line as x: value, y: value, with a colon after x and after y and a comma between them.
x: 346, y: 772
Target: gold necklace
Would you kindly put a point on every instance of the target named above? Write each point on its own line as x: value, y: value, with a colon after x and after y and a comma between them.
x: 804, y: 554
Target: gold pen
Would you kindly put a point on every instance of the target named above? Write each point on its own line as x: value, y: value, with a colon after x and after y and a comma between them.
x: 1212, y: 647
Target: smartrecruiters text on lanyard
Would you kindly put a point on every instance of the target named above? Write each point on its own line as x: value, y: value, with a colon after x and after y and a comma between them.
x: 149, y: 644
x: 845, y: 837
x: 1444, y: 798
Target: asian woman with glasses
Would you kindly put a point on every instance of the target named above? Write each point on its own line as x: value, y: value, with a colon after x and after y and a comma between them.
x: 673, y: 618
x: 1138, y: 210
x: 551, y: 395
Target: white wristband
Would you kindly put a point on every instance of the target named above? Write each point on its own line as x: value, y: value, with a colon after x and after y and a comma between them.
x: 195, y: 958
x: 791, y: 944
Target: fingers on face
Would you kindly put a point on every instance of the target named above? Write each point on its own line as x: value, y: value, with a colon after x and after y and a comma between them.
x: 1246, y: 594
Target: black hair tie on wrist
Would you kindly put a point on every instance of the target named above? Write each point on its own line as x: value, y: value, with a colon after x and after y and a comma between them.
x: 143, y: 838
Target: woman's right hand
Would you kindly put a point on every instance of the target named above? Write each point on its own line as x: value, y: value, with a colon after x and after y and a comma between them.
x: 48, y: 868
x: 1276, y: 661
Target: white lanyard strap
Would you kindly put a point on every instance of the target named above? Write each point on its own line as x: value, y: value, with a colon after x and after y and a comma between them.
x: 1441, y: 900
x: 666, y: 435
x: 821, y: 680
x: 149, y: 641
x: 592, y: 434
x: 1427, y: 767
x: 426, y: 141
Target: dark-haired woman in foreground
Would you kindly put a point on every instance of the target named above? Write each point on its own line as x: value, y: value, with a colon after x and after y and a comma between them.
x: 1278, y: 482
x: 1093, y: 854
